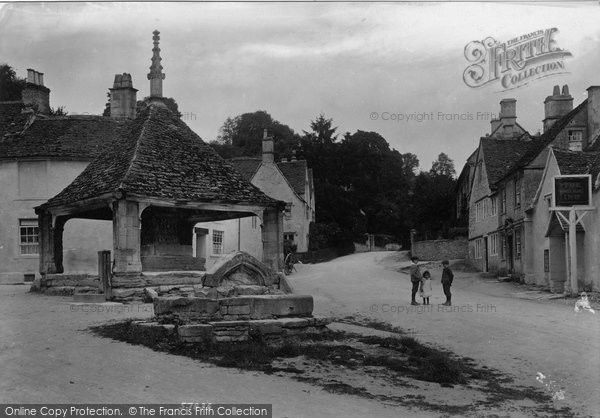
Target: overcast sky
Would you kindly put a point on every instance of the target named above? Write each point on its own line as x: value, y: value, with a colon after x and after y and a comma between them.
x: 346, y: 60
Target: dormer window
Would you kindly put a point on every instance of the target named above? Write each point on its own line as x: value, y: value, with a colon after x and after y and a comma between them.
x: 575, y: 140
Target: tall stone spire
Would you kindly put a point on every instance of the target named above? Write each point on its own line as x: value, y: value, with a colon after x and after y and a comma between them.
x: 156, y: 75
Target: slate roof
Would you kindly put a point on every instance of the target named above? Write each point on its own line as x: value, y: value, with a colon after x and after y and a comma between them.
x: 294, y: 171
x: 62, y: 137
x: 158, y: 156
x: 573, y: 162
x: 501, y: 155
x: 547, y: 137
x: 524, y: 152
x: 12, y: 120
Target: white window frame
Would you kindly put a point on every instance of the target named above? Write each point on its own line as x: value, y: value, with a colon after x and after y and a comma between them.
x: 575, y: 140
x: 493, y: 206
x: 517, y: 192
x: 218, y: 240
x: 29, y: 237
x: 478, y: 253
x: 518, y: 243
x: 493, y: 243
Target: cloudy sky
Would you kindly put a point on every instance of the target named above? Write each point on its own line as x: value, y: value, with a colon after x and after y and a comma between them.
x: 357, y: 63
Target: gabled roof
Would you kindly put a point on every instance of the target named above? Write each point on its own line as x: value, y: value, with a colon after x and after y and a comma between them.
x: 247, y: 166
x: 500, y: 155
x: 158, y: 156
x: 63, y: 137
x: 538, y: 144
x: 293, y: 171
x: 573, y: 162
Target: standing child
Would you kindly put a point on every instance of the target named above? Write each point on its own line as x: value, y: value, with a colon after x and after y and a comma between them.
x: 426, y: 288
x: 415, y: 279
x: 447, y: 277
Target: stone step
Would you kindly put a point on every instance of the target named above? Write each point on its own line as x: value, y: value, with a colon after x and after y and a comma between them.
x: 89, y: 297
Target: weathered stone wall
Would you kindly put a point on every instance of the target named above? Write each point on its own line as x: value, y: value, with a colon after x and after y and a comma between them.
x: 182, y: 310
x: 440, y: 249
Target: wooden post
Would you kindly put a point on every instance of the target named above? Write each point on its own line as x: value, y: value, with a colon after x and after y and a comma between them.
x: 104, y: 271
x: 574, y: 290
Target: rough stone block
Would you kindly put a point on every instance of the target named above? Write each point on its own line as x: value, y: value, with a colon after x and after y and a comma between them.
x: 185, y: 304
x: 225, y: 291
x: 206, y: 292
x: 281, y: 305
x: 295, y: 322
x: 202, y: 331
x: 266, y: 326
x: 238, y: 310
x: 250, y: 290
x: 227, y: 338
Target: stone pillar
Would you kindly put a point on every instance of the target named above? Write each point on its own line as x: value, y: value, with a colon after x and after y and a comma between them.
x: 59, y: 227
x: 46, y: 241
x: 126, y: 237
x: 272, y: 238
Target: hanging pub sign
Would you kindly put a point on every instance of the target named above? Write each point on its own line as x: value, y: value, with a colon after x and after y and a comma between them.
x: 572, y: 190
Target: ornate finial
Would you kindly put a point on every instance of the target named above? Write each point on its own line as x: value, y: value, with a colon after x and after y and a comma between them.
x: 156, y: 75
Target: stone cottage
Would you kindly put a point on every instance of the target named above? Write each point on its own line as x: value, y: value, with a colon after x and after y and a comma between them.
x: 39, y: 156
x: 506, y: 182
x: 287, y: 181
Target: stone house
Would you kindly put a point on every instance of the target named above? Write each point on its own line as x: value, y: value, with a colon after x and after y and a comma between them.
x: 493, y: 158
x: 507, y: 178
x: 550, y: 232
x: 287, y: 181
x: 39, y: 156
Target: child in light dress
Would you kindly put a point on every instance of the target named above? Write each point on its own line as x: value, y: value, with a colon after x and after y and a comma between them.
x: 426, y: 288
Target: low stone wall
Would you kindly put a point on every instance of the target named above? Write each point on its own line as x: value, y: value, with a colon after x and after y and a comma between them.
x: 66, y: 284
x: 440, y: 249
x: 185, y: 310
x: 268, y: 330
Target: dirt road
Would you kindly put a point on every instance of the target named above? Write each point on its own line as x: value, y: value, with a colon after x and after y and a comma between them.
x: 46, y: 355
x: 488, y: 322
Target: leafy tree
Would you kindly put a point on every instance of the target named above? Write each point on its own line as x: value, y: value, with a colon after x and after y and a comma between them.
x: 443, y: 166
x: 11, y: 86
x: 59, y: 111
x: 106, y: 111
x: 245, y: 132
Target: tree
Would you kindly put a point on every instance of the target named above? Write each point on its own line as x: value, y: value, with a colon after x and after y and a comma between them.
x: 245, y: 132
x: 443, y: 166
x: 11, y: 86
x: 322, y: 130
x: 59, y: 111
x: 106, y: 111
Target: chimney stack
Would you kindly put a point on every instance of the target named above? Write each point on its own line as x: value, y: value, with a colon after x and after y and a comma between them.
x: 593, y: 113
x: 35, y: 94
x: 267, y: 148
x: 123, y: 97
x: 508, y: 117
x: 556, y: 106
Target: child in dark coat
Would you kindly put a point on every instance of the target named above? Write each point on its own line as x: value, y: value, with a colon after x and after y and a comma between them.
x: 447, y: 277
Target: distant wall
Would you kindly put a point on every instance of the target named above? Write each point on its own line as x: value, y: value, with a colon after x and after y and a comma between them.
x: 440, y: 249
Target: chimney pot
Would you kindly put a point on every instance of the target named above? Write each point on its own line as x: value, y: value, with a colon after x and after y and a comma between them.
x: 556, y: 106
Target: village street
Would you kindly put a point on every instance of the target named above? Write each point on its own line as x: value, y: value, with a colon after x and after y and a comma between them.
x: 47, y: 355
x: 519, y: 336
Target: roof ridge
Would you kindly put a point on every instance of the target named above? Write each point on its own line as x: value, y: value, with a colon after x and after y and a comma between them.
x: 135, y: 151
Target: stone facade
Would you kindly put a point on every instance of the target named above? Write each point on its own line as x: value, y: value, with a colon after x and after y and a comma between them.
x: 441, y: 249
